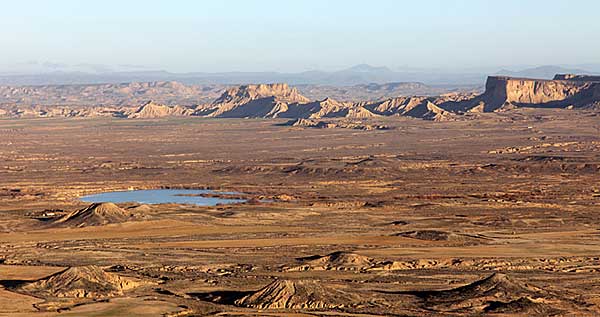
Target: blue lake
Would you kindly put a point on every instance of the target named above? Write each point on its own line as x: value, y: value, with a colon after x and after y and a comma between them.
x: 163, y: 196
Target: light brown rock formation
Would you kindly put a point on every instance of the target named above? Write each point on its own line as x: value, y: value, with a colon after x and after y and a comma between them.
x: 340, y: 261
x: 282, y: 101
x: 94, y: 215
x: 297, y: 294
x: 282, y: 92
x: 345, y: 124
x: 415, y: 107
x: 523, y: 92
x: 330, y: 108
x: 84, y: 281
x: 151, y: 110
x: 264, y: 100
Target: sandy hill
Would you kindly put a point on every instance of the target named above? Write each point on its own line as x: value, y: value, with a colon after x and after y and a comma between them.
x: 297, y: 294
x: 84, y: 281
x: 94, y: 215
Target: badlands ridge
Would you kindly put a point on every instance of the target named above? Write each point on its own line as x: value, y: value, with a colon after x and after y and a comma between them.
x: 282, y: 101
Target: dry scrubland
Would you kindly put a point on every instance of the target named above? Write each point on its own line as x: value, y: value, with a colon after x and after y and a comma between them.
x: 491, y: 216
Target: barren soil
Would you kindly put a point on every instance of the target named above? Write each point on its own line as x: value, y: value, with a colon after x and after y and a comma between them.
x: 410, y: 221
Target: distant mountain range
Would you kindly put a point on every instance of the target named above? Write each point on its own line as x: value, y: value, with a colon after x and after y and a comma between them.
x: 357, y: 75
x: 544, y: 72
x: 177, y: 93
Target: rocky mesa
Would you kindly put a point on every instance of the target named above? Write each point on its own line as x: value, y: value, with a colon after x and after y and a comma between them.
x: 564, y: 91
x: 282, y: 101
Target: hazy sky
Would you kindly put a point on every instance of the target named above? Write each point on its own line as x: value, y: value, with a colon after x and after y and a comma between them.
x: 261, y: 35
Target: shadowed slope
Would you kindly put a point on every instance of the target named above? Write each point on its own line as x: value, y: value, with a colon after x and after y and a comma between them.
x: 496, y: 293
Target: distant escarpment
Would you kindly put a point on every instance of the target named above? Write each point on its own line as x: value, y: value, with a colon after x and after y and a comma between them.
x: 565, y: 91
x: 283, y: 101
x: 118, y: 95
x: 577, y: 77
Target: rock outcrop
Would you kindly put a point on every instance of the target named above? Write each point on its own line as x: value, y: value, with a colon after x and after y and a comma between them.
x: 497, y: 293
x: 436, y: 235
x: 345, y: 124
x: 151, y: 110
x: 330, y: 108
x: 297, y: 294
x: 338, y: 261
x: 522, y: 92
x: 282, y: 92
x: 94, y: 215
x: 84, y: 281
x: 258, y: 101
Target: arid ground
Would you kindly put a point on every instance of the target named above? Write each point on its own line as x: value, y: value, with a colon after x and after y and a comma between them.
x: 498, y: 216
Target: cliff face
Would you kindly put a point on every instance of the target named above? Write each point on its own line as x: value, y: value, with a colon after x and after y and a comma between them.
x: 538, y: 93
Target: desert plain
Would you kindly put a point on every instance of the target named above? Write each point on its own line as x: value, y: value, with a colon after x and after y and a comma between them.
x: 496, y: 216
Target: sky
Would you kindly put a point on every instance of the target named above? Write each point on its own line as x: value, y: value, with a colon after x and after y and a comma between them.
x: 295, y: 35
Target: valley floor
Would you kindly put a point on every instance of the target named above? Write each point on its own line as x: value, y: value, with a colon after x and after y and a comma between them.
x: 491, y: 216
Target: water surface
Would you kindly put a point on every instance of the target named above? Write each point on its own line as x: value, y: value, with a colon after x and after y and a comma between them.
x: 163, y: 196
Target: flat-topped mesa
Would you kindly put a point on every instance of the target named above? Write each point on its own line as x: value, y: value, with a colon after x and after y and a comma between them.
x: 281, y: 91
x: 500, y: 90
